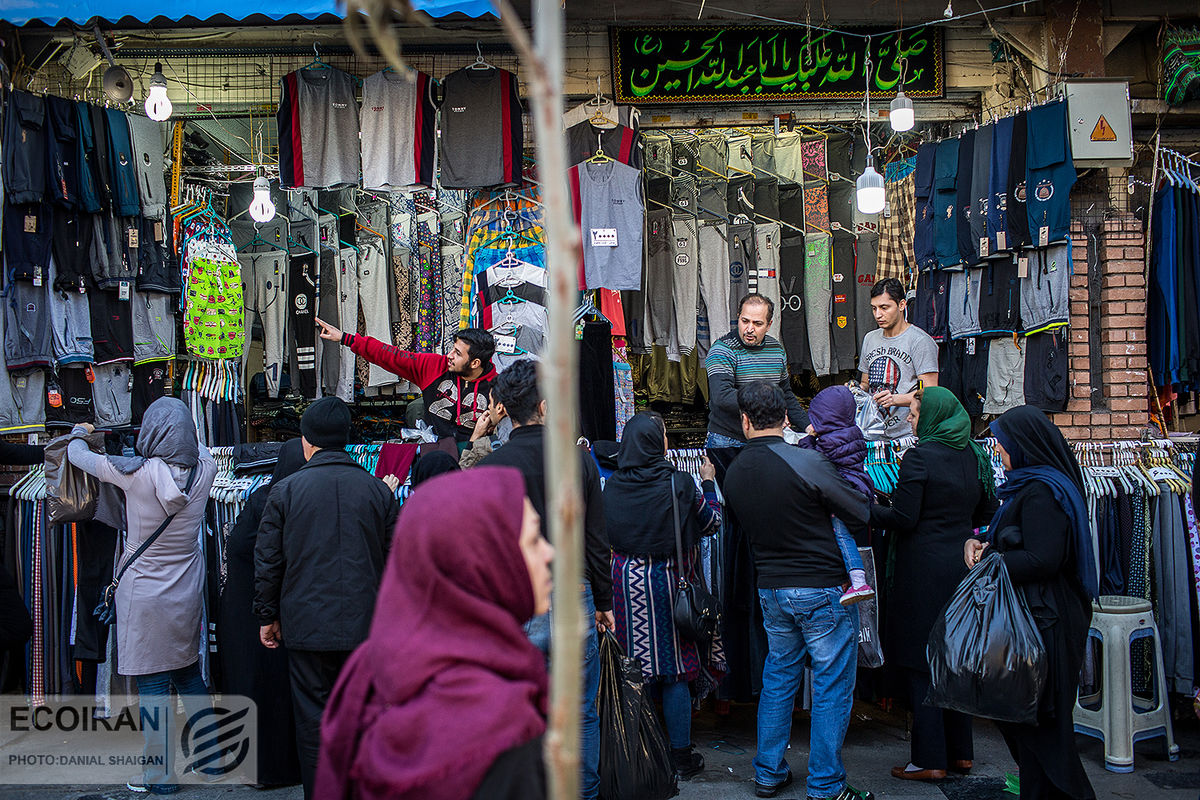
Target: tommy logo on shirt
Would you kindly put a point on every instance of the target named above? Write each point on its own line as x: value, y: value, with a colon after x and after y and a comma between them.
x: 377, y: 108
x: 459, y: 109
x: 340, y: 106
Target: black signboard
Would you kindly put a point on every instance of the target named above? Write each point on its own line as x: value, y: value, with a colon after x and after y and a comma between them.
x: 771, y: 64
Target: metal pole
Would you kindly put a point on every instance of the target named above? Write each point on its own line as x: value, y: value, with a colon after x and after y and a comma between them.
x: 544, y: 63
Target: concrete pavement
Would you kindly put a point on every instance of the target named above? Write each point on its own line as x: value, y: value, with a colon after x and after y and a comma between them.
x: 876, y: 742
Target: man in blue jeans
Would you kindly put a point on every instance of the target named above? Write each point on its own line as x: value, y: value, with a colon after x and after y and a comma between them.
x: 800, y: 581
x: 517, y: 396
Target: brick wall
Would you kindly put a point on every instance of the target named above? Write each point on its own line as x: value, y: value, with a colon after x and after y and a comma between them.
x: 1119, y: 409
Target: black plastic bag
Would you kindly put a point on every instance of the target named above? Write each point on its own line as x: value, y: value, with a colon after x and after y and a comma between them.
x: 870, y: 649
x: 635, y: 759
x: 71, y: 494
x: 985, y: 652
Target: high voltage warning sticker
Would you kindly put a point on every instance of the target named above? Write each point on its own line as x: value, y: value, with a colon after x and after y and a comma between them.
x: 1103, y: 132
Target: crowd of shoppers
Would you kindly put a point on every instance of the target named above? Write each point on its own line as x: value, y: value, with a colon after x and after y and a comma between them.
x: 404, y: 653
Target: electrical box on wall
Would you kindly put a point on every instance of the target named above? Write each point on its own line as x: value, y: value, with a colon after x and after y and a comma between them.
x: 1101, y: 127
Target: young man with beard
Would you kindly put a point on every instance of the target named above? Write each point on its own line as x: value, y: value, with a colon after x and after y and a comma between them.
x: 897, y: 358
x: 455, y: 387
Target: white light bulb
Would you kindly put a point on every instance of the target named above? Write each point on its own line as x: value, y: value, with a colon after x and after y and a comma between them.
x: 902, y: 117
x: 158, y: 105
x: 869, y: 191
x: 261, y: 207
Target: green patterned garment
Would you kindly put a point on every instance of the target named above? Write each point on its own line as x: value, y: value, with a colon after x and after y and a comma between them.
x: 214, y: 325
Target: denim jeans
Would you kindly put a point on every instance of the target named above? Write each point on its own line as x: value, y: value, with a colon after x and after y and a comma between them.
x: 847, y: 545
x: 677, y: 711
x: 721, y: 440
x: 538, y: 630
x: 812, y: 624
x: 154, y: 692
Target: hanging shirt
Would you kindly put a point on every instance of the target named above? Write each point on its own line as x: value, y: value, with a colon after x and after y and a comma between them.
x: 612, y: 217
x: 398, y: 124
x: 318, y: 129
x: 214, y: 319
x: 1050, y: 174
x: 85, y: 157
x: 481, y: 135
x: 621, y: 143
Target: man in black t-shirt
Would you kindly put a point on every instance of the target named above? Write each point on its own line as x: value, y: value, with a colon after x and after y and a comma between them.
x: 800, y: 578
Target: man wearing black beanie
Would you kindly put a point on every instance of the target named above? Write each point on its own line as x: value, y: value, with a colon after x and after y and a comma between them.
x: 318, y: 561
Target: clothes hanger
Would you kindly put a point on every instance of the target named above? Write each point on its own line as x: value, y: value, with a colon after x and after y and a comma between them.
x: 317, y: 63
x: 258, y: 240
x: 479, y: 63
x: 599, y: 157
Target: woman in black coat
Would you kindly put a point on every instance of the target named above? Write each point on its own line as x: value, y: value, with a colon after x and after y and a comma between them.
x: 945, y: 491
x: 249, y: 668
x: 1042, y: 531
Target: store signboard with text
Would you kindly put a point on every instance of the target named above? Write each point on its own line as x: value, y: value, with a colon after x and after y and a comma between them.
x: 684, y: 65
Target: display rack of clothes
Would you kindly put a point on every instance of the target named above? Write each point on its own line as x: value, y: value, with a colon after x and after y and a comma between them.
x: 1173, y: 317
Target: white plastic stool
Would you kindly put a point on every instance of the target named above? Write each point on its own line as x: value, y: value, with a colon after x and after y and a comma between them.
x: 1119, y: 721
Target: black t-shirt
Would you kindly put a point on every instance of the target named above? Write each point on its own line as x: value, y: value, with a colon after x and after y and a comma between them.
x: 787, y: 517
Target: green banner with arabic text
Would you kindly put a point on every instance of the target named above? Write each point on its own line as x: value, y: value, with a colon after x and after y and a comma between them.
x: 680, y: 65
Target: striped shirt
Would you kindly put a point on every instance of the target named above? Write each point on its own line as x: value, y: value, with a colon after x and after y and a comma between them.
x: 730, y: 365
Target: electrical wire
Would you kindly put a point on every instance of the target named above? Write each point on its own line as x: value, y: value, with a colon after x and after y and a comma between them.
x: 809, y: 25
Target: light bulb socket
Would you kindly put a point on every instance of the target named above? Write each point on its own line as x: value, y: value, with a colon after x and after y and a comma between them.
x: 261, y: 184
x: 158, y: 79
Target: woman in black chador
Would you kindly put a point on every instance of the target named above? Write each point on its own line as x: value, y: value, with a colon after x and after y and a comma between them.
x: 1043, y: 533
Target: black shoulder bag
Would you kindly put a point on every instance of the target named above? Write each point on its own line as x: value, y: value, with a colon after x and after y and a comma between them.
x: 106, y: 611
x: 695, y: 612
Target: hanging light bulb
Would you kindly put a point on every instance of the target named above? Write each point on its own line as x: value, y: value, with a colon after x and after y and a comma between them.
x: 949, y: 12
x: 869, y: 189
x: 261, y: 207
x: 158, y: 105
x: 902, y: 117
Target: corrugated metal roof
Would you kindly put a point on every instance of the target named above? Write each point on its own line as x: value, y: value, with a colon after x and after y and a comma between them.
x: 51, y: 12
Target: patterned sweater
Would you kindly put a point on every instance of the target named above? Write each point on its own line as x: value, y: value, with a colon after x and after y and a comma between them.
x: 730, y: 365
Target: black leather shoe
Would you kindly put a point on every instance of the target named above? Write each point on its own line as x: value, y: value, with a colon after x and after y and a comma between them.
x: 761, y: 790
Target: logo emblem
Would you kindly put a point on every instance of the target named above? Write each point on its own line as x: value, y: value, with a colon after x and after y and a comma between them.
x: 1044, y: 190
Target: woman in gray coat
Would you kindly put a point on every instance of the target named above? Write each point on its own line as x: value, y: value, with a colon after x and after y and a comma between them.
x: 160, y: 597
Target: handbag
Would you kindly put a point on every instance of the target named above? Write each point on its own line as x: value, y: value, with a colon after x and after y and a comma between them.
x: 695, y: 610
x: 106, y: 611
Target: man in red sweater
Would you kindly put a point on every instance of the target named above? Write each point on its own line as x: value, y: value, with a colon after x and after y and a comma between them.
x: 455, y: 386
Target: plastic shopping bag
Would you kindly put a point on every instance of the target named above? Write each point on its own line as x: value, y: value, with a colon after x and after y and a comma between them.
x: 867, y: 417
x: 870, y: 649
x: 635, y: 760
x: 71, y: 494
x: 985, y: 652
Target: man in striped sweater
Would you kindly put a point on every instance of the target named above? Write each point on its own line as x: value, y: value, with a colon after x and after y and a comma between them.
x: 740, y: 357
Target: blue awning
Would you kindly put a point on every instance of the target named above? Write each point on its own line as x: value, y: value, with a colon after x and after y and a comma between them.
x: 51, y: 12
